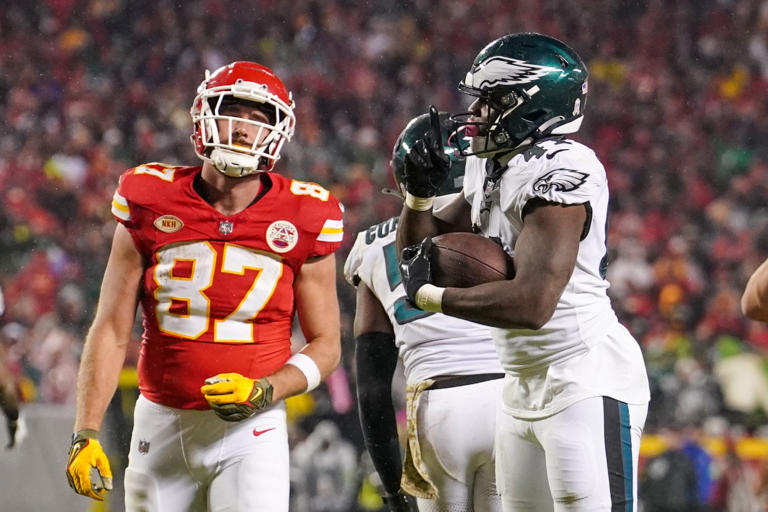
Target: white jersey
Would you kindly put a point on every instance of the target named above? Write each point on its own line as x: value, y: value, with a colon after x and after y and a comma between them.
x: 429, y: 344
x: 582, y: 350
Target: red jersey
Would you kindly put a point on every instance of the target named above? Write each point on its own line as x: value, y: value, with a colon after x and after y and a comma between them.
x: 217, y: 294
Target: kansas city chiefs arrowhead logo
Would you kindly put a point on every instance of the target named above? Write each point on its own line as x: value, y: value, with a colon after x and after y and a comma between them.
x: 560, y: 180
x: 506, y: 71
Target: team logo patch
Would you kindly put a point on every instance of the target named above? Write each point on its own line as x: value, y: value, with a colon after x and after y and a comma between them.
x: 560, y: 180
x: 282, y: 236
x: 506, y: 71
x: 168, y: 223
x: 226, y: 227
x: 143, y: 447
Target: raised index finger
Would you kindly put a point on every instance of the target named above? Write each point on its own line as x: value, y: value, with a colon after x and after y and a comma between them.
x: 434, y: 123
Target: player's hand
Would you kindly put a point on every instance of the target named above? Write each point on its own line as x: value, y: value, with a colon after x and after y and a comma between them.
x: 234, y: 397
x: 400, y: 502
x: 416, y: 268
x: 426, y: 164
x: 88, y: 469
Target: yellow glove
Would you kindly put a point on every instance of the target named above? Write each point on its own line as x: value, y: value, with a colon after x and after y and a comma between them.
x: 88, y: 469
x: 234, y: 397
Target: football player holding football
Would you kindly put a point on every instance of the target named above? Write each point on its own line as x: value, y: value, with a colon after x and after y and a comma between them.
x: 219, y: 256
x: 453, y: 375
x: 576, y: 391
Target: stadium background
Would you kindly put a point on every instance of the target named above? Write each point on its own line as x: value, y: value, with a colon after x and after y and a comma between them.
x: 676, y: 111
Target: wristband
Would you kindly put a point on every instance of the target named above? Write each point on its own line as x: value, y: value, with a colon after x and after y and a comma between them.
x: 420, y: 204
x: 308, y: 367
x: 430, y: 298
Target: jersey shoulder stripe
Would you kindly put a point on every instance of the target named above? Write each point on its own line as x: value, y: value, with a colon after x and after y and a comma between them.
x: 120, y: 207
x: 332, y: 231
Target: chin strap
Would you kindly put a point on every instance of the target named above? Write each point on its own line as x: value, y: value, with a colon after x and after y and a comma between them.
x: 234, y: 165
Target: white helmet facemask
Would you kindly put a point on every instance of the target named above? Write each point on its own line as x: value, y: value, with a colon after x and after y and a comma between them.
x: 220, y: 147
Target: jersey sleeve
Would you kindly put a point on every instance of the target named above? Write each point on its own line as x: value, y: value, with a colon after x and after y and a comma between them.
x: 139, y: 191
x: 121, y: 207
x: 332, y: 231
x: 355, y: 260
x: 572, y: 176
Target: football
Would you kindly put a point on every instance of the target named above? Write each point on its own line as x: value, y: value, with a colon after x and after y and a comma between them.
x: 462, y: 260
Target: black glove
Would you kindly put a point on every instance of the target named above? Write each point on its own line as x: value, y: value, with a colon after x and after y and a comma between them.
x: 426, y: 164
x: 416, y: 268
x: 13, y: 426
x: 400, y: 502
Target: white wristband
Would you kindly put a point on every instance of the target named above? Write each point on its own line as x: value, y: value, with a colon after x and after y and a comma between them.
x: 420, y: 204
x: 308, y: 367
x: 430, y: 298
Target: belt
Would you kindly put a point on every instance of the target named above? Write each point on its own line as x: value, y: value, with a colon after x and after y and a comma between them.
x: 452, y: 381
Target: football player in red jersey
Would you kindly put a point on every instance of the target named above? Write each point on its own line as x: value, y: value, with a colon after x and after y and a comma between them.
x: 219, y: 257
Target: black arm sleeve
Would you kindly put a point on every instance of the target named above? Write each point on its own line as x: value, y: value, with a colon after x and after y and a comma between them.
x: 375, y: 361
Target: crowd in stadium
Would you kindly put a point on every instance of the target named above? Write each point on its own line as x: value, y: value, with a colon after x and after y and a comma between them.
x: 677, y: 97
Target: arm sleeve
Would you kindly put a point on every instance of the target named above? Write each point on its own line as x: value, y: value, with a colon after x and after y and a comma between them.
x: 332, y: 230
x: 375, y: 360
x: 127, y: 211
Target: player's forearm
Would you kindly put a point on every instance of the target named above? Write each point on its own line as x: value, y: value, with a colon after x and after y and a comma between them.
x: 754, y: 301
x: 505, y: 304
x: 290, y: 380
x: 414, y: 226
x: 97, y: 379
x: 9, y: 402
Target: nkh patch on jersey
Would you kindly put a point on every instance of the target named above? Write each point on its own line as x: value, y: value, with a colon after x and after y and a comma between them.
x: 505, y: 71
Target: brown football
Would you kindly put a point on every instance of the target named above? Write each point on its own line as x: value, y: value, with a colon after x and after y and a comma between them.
x: 462, y: 260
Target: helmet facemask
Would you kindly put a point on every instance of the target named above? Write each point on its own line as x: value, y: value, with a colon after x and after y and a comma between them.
x: 214, y: 137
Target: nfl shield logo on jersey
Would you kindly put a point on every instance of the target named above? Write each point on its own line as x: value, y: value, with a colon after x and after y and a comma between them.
x: 143, y: 447
x: 226, y: 227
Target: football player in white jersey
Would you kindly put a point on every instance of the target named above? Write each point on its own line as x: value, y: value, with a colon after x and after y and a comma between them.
x: 452, y: 373
x: 576, y: 391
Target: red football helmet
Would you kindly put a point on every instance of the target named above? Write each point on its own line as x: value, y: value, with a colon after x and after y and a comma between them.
x: 250, y: 82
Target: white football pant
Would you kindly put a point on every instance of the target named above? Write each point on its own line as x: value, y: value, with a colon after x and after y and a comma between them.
x: 456, y: 435
x: 189, y: 460
x: 583, y: 458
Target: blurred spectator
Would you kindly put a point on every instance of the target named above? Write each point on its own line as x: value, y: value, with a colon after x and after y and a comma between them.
x: 669, y: 482
x: 737, y: 485
x: 328, y: 467
x: 743, y: 380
